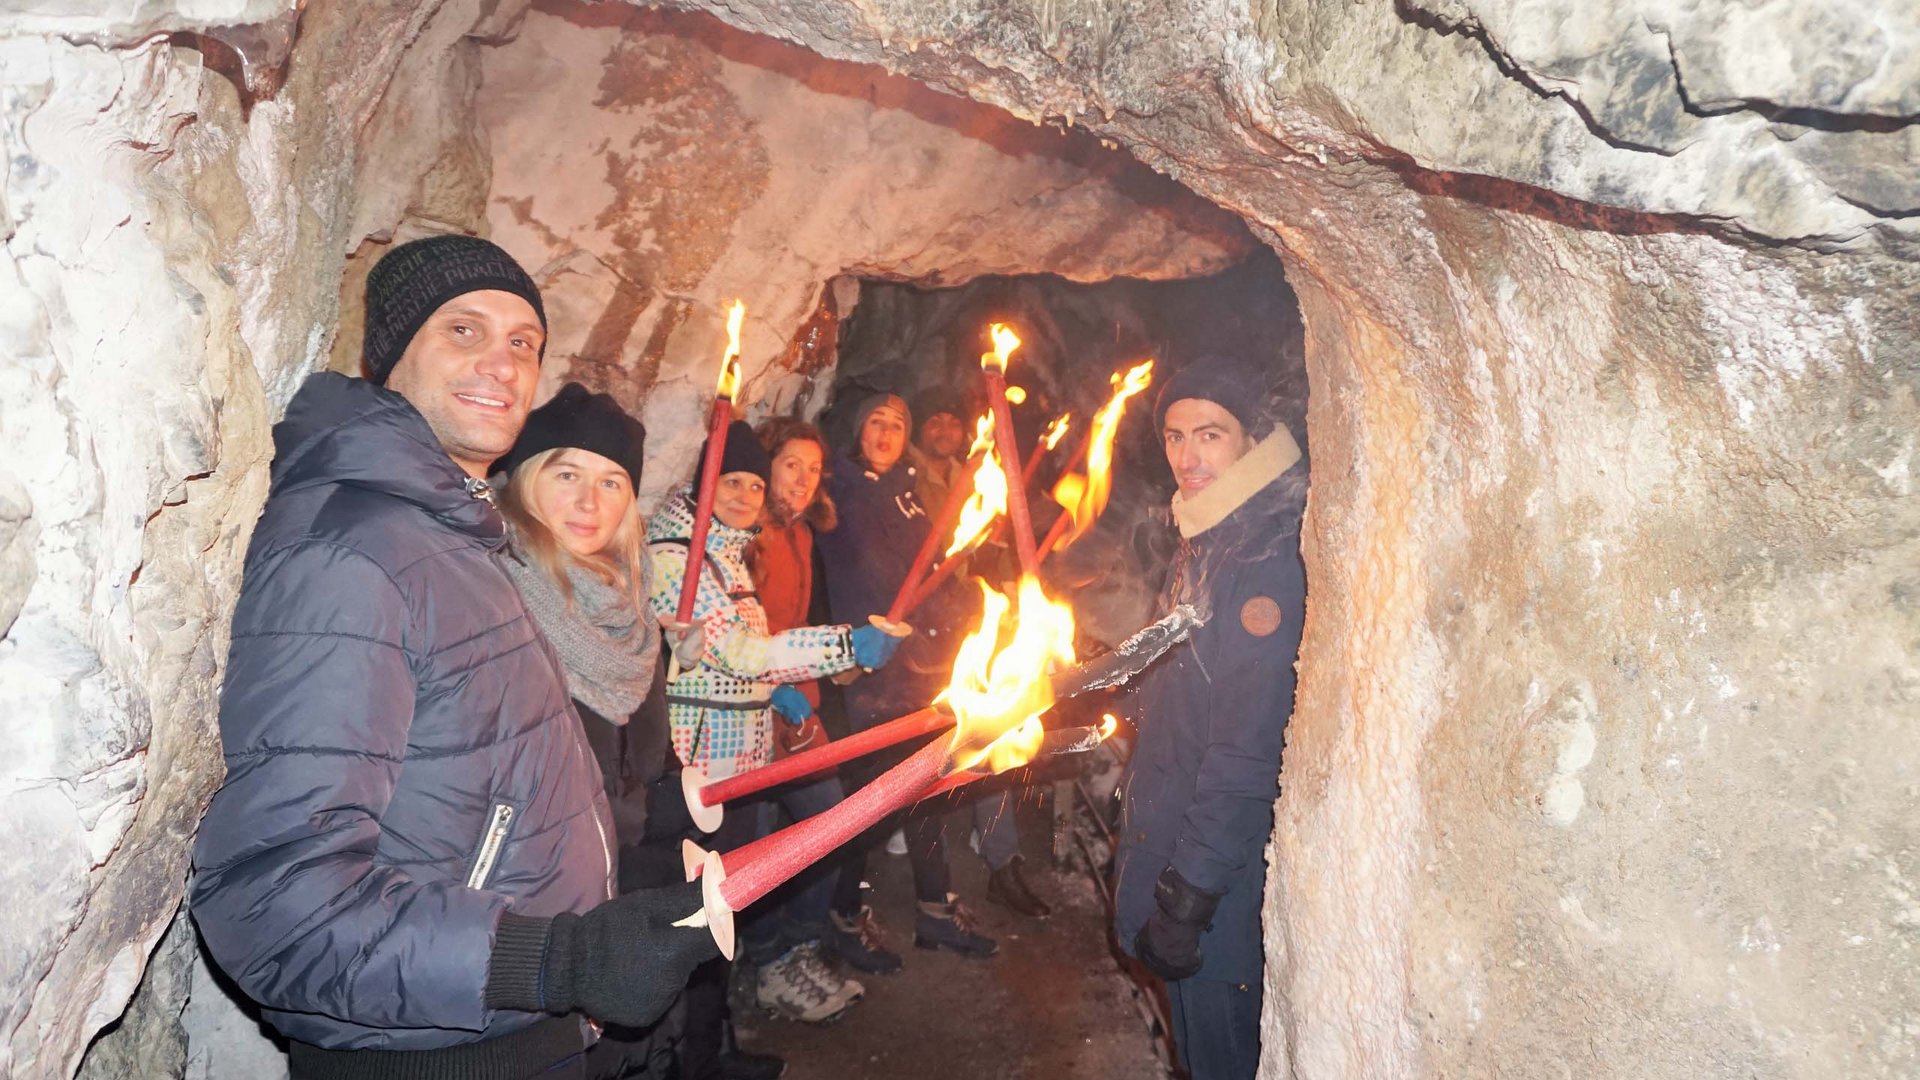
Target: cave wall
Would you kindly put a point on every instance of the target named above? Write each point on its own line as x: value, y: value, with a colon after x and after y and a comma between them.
x: 174, y: 231
x: 1602, y: 760
x: 658, y: 165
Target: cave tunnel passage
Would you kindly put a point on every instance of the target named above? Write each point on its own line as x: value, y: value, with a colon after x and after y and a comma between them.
x: 925, y: 345
x: 1603, y: 762
x: 1058, y: 1000
x: 648, y: 167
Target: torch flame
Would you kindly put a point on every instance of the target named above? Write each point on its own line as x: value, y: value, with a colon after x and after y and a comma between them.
x: 989, y: 498
x: 1016, y: 395
x: 1004, y: 342
x: 999, y: 691
x: 730, y: 361
x: 1106, y: 423
x: 1056, y: 431
x: 1108, y: 722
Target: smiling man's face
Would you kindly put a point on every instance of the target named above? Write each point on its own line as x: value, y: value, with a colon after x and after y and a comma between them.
x: 1202, y: 440
x: 471, y: 371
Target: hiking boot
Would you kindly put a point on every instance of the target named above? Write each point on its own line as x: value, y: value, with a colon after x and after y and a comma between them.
x: 1008, y: 886
x: 950, y: 926
x: 799, y: 986
x: 858, y: 942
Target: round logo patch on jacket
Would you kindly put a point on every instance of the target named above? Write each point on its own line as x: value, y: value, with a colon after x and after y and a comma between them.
x: 1260, y: 615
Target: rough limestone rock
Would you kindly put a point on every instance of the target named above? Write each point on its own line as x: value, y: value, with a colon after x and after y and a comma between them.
x: 1602, y: 762
x: 658, y: 166
x: 174, y: 248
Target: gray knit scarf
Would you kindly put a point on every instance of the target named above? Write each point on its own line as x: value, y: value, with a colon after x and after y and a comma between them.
x: 608, y: 649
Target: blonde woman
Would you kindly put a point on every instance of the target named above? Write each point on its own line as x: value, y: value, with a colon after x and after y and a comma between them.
x: 576, y: 554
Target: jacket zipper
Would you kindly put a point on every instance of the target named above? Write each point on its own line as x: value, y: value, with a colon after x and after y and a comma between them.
x: 490, y: 846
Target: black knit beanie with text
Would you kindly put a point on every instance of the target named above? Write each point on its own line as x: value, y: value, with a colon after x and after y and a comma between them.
x: 410, y: 283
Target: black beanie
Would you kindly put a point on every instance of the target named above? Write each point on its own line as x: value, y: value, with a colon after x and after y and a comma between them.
x: 743, y: 454
x: 410, y: 283
x: 1237, y: 387
x: 579, y: 419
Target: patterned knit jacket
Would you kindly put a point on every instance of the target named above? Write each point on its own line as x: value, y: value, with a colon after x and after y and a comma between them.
x: 719, y: 710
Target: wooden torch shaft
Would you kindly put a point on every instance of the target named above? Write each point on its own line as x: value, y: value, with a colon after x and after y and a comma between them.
x: 937, y: 535
x: 1060, y: 526
x: 1009, y: 448
x: 703, y: 505
x: 1058, y: 742
x: 806, y: 763
x: 778, y: 858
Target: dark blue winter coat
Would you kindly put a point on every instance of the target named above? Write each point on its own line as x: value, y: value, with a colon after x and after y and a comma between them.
x: 402, y: 761
x: 1199, y: 790
x: 867, y: 556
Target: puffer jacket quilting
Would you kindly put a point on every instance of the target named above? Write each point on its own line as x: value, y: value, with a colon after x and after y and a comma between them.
x: 387, y: 702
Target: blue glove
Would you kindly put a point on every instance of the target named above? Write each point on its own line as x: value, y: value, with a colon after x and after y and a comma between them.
x: 873, y: 647
x: 791, y: 704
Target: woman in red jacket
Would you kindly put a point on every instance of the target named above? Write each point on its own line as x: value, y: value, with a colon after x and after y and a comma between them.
x: 781, y: 560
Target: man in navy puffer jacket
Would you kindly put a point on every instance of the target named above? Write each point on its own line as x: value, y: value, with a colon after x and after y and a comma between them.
x: 410, y: 862
x: 1190, y: 869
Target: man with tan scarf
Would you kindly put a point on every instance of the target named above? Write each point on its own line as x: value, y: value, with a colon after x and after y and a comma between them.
x: 1203, y: 778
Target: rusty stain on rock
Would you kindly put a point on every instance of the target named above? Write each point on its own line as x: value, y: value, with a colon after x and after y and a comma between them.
x: 687, y: 174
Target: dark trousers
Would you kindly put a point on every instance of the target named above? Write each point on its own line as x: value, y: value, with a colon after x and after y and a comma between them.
x: 707, y: 1013
x: 925, y: 825
x: 1216, y: 1028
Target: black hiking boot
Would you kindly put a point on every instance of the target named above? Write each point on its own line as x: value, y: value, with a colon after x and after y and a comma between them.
x: 857, y: 941
x: 950, y: 926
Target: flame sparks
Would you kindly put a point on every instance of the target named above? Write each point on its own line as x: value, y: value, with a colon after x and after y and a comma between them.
x: 989, y: 498
x: 730, y: 361
x: 999, y: 691
x: 1092, y: 497
x: 1056, y: 431
x: 1108, y: 724
x: 1004, y: 342
x: 1016, y: 395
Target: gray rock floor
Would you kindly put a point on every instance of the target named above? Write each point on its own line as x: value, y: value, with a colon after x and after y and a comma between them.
x: 1053, y: 1005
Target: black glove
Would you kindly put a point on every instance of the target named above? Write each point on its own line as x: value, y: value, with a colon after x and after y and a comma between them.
x: 668, y: 819
x: 621, y: 963
x: 1169, y: 944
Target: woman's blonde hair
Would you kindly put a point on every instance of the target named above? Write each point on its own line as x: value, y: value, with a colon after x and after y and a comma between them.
x: 617, y: 564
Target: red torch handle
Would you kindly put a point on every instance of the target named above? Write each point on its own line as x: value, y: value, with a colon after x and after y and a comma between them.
x: 1054, y: 534
x: 749, y: 853
x: 806, y: 763
x: 1034, y: 458
x: 703, y: 505
x: 779, y: 857
x: 937, y: 535
x: 1004, y: 441
x: 931, y: 584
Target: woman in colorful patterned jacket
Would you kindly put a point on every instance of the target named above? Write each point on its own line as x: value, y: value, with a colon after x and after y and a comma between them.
x: 720, y: 711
